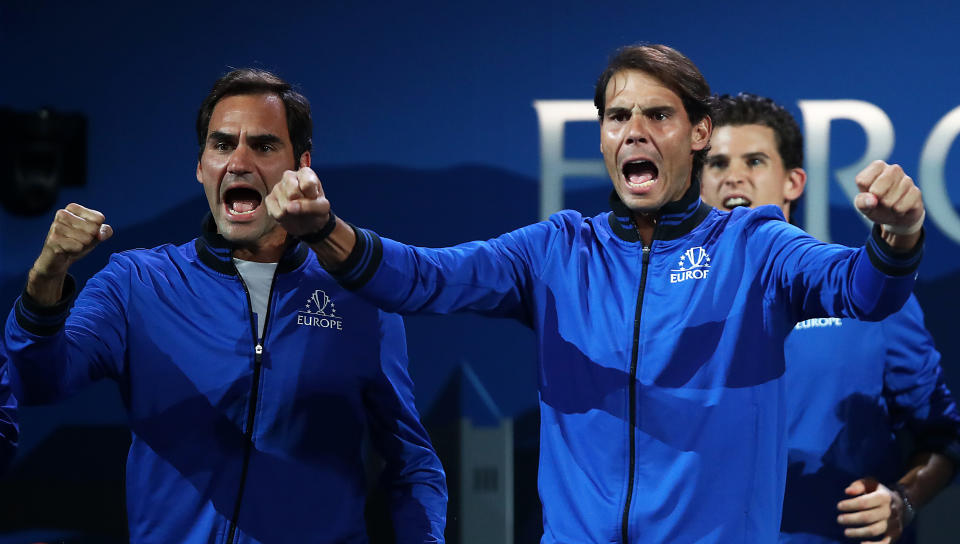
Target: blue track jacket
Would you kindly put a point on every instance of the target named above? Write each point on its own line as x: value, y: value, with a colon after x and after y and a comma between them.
x: 259, y: 438
x: 852, y: 385
x: 9, y: 425
x: 660, y: 369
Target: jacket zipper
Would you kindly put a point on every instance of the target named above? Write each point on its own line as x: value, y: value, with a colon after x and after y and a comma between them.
x: 254, y: 389
x: 632, y: 387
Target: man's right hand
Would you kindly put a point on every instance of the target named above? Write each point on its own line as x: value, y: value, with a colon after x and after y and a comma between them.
x: 74, y: 233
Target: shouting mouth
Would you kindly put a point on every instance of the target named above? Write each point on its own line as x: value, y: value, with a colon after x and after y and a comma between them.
x: 241, y: 202
x: 640, y: 174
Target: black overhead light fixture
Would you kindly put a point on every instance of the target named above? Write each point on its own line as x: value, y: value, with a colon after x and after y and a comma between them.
x: 40, y: 152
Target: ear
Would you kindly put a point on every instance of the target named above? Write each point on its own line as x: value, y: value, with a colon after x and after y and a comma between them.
x: 305, y: 160
x: 700, y: 136
x: 794, y: 184
x: 199, y: 176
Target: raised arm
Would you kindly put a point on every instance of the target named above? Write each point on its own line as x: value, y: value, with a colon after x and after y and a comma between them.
x: 75, y: 231
x: 489, y: 277
x: 49, y: 357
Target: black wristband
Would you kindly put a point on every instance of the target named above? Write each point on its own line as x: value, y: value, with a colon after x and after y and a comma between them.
x: 908, y: 512
x: 320, y: 235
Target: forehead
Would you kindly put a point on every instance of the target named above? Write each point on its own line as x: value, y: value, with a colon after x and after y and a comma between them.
x: 256, y: 113
x: 629, y: 87
x: 741, y: 139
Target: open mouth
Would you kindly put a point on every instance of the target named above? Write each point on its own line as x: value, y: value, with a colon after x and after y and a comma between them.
x: 640, y: 173
x: 242, y: 200
x: 732, y: 202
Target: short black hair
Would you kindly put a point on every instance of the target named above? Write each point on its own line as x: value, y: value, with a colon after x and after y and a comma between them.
x: 247, y: 81
x: 751, y: 109
x: 672, y: 68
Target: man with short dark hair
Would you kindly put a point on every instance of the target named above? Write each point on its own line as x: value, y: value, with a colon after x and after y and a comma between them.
x: 249, y: 376
x: 660, y: 324
x: 851, y: 384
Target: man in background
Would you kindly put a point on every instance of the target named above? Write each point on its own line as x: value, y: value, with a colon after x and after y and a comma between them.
x: 851, y: 385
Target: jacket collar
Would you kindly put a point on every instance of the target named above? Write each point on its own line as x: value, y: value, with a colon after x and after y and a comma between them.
x: 674, y: 219
x: 216, y: 251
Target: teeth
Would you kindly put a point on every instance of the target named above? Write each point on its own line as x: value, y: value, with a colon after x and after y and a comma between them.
x: 641, y: 184
x: 735, y: 201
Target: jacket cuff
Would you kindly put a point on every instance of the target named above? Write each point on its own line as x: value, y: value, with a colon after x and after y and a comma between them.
x: 43, y: 320
x: 362, y: 262
x: 890, y: 261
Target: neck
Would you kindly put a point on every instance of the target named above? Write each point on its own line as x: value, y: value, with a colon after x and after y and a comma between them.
x: 267, y: 249
x: 645, y: 224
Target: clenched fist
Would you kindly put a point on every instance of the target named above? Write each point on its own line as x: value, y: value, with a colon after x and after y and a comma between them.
x: 74, y: 233
x: 298, y: 202
x: 889, y: 197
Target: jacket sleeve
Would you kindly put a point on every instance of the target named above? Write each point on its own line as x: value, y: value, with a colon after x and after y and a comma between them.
x: 55, y: 351
x: 412, y: 476
x: 491, y: 278
x: 9, y: 427
x: 919, y: 398
x: 829, y: 280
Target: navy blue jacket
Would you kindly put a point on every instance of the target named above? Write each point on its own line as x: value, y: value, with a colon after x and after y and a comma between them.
x: 852, y: 385
x: 660, y: 368
x: 258, y: 438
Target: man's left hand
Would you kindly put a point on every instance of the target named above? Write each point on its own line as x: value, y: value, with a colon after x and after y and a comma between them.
x: 875, y: 511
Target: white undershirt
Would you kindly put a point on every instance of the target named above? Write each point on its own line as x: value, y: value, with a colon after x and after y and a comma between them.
x: 257, y: 277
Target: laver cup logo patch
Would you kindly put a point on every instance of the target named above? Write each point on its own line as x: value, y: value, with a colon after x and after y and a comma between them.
x: 694, y: 265
x: 320, y: 311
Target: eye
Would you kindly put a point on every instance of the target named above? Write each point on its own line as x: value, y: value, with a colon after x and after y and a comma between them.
x: 618, y: 116
x: 716, y: 162
x: 265, y: 148
x: 221, y: 146
x: 754, y: 161
x: 659, y: 116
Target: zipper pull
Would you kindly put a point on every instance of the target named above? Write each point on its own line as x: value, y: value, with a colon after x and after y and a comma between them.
x: 646, y: 254
x: 258, y: 351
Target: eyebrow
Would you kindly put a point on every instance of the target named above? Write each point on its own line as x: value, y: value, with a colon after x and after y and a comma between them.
x: 260, y: 139
x: 255, y: 139
x: 756, y: 155
x: 646, y: 111
x: 220, y: 136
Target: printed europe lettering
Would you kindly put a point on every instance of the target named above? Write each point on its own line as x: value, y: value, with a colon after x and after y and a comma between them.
x: 697, y: 274
x: 319, y: 321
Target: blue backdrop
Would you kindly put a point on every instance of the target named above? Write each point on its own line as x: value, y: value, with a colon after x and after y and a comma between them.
x: 426, y: 131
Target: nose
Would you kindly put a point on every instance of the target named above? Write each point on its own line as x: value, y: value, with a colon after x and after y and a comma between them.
x: 734, y: 175
x: 241, y: 160
x: 637, y: 130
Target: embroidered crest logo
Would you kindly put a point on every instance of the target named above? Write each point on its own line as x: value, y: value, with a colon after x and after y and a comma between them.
x: 694, y: 264
x: 320, y: 311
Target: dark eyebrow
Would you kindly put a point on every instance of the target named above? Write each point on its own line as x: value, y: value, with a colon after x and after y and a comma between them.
x: 756, y: 155
x: 261, y: 139
x: 219, y: 136
x: 659, y: 109
x: 616, y: 110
